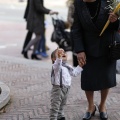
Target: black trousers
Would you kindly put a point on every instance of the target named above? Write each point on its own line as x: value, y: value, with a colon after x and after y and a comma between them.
x: 27, y: 39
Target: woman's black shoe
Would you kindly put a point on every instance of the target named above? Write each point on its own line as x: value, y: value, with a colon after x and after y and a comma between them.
x: 88, y: 115
x: 34, y: 56
x: 103, y: 116
x: 25, y: 55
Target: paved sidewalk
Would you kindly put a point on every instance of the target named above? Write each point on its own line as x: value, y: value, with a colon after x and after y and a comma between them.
x: 30, y: 86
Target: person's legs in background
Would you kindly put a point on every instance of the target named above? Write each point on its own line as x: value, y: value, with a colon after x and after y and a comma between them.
x: 27, y: 40
x: 34, y: 42
x: 41, y: 48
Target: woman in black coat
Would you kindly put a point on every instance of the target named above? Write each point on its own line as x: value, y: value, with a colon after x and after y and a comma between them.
x: 29, y: 34
x: 92, y: 50
x: 35, y: 23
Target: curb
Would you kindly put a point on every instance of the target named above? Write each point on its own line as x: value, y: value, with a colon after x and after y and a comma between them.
x: 5, y: 95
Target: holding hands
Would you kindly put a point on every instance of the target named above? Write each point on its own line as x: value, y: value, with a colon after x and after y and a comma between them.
x: 81, y: 58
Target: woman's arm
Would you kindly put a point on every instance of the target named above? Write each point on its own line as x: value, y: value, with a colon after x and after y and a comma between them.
x: 40, y: 8
x: 76, y: 32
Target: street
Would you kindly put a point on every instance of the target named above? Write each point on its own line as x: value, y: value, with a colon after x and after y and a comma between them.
x: 13, y: 26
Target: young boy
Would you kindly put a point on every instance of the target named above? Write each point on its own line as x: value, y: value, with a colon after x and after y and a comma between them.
x: 61, y: 81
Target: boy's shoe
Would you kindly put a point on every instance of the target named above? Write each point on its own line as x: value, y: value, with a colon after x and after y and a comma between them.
x: 63, y: 118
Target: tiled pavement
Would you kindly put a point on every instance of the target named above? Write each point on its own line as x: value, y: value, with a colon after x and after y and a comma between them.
x: 29, y: 82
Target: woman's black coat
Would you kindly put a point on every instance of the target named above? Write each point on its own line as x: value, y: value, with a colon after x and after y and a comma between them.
x: 26, y: 10
x: 35, y: 18
x: 86, y: 33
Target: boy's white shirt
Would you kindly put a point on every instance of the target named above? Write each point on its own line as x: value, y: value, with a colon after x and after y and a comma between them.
x: 66, y: 74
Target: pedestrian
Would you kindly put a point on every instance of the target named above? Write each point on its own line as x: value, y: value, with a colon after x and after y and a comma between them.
x: 29, y: 33
x: 35, y: 24
x: 99, y: 73
x: 61, y: 81
x: 42, y: 46
x: 70, y: 19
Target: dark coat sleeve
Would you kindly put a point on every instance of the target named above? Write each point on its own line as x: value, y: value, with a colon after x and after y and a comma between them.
x: 26, y: 10
x: 76, y: 32
x: 40, y: 8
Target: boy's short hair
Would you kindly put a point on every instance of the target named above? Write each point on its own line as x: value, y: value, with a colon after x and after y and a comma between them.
x: 53, y: 55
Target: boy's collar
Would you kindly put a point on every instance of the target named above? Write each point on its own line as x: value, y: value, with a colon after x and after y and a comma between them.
x: 64, y: 62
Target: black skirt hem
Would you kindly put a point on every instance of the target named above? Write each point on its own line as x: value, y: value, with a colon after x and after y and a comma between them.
x: 99, y: 88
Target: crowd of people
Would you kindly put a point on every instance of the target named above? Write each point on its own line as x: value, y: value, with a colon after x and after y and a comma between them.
x: 90, y: 52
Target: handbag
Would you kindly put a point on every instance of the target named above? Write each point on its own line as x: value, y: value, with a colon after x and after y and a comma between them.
x: 114, y: 48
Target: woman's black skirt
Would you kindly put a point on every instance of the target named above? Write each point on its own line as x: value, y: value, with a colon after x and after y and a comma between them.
x: 98, y: 73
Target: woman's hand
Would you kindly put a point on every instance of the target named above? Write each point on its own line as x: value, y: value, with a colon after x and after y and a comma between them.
x: 112, y: 17
x: 81, y: 58
x: 53, y: 12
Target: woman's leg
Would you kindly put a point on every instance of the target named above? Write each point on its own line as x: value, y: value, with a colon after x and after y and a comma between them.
x: 104, y: 94
x: 91, y: 106
x: 38, y: 38
x: 33, y: 42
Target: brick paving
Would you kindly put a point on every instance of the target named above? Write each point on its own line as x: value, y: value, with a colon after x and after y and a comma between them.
x: 30, y: 86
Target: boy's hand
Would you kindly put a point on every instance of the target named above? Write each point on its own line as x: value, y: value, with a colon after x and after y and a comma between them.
x: 80, y: 64
x: 59, y: 53
x: 81, y: 58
